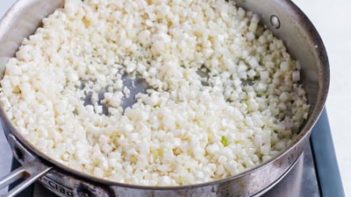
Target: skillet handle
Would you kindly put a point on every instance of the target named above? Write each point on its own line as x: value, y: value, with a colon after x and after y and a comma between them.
x: 30, y: 172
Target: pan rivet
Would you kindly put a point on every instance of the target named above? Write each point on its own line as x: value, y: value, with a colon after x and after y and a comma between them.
x: 275, y: 21
x: 84, y: 191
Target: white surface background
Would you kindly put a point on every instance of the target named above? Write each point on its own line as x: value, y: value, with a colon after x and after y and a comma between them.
x: 333, y: 21
x: 332, y: 18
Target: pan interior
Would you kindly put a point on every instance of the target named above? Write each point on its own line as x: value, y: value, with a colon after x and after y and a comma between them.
x: 26, y: 16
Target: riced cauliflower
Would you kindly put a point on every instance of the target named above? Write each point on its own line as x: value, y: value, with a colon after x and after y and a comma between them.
x: 223, y: 97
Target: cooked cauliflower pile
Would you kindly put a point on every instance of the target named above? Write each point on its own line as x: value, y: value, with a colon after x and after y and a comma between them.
x: 223, y: 97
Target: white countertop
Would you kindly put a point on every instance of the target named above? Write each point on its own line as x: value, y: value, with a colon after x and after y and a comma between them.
x: 333, y: 21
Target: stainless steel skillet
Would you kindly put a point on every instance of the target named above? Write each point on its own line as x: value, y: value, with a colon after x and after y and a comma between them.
x: 281, y: 16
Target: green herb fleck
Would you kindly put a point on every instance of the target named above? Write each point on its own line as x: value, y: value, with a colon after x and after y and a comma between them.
x: 225, y: 141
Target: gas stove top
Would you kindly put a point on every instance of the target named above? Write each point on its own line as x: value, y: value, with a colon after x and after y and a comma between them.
x: 315, y: 173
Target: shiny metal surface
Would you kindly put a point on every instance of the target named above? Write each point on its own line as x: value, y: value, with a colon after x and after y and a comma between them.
x: 290, y: 24
x: 301, y: 181
x: 30, y: 171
